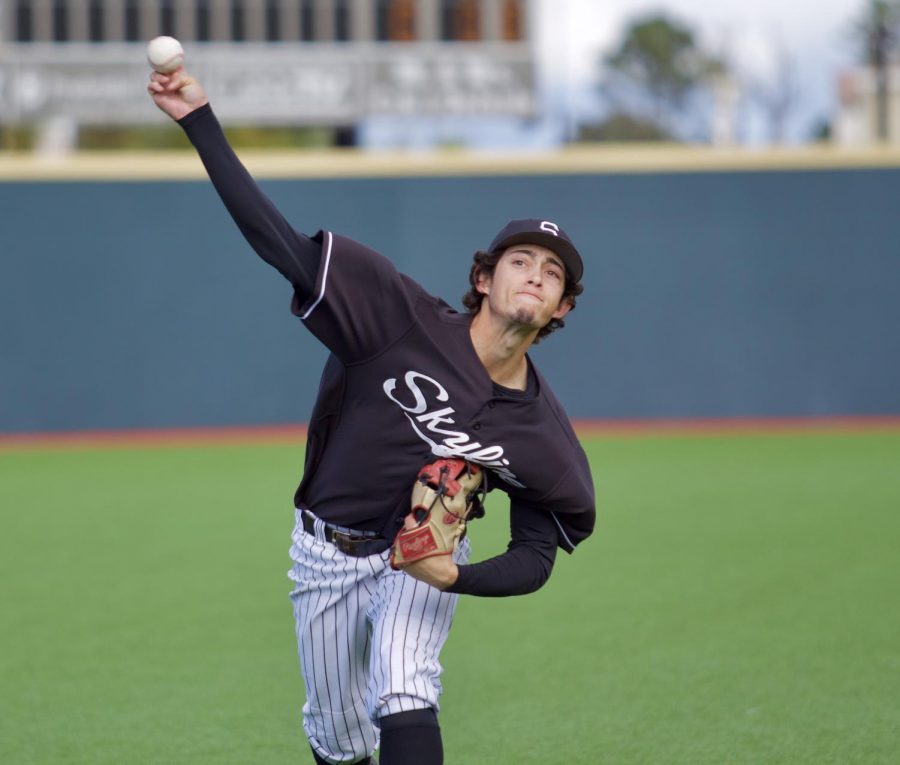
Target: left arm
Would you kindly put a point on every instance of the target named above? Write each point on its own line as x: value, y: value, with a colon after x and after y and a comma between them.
x: 523, y: 568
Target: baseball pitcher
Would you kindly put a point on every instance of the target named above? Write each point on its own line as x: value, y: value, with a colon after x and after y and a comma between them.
x: 421, y: 411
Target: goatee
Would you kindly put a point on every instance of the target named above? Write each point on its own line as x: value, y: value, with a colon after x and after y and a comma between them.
x: 524, y: 316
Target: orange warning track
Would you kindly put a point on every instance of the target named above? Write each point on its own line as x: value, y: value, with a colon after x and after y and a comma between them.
x: 105, y: 439
x: 296, y: 434
x: 736, y: 425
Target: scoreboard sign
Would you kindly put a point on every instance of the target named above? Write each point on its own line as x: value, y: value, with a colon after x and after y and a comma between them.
x: 316, y: 83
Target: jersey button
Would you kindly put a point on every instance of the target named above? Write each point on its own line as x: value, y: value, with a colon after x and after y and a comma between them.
x: 476, y: 426
x: 491, y: 405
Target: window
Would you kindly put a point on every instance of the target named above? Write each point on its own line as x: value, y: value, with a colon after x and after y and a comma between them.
x: 342, y: 31
x: 382, y: 8
x: 167, y: 18
x: 402, y: 21
x: 96, y: 32
x: 460, y: 20
x: 132, y: 21
x: 273, y: 21
x: 203, y: 21
x: 448, y: 8
x: 395, y: 20
x: 238, y: 17
x: 468, y: 23
x: 24, y: 22
x: 60, y: 21
x: 307, y: 21
x: 512, y: 20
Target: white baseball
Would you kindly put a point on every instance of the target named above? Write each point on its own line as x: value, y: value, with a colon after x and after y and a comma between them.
x: 165, y: 54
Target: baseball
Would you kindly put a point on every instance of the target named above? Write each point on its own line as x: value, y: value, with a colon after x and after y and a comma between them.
x: 165, y: 54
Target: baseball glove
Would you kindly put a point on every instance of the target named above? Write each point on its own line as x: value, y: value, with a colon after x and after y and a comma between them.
x: 446, y: 494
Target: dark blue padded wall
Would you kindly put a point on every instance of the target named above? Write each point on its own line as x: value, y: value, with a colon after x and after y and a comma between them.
x: 138, y: 304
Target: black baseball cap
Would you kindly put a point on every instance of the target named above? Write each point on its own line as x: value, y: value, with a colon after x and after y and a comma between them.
x: 545, y: 233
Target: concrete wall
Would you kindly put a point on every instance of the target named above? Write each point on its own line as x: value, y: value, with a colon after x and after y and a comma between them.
x: 137, y: 304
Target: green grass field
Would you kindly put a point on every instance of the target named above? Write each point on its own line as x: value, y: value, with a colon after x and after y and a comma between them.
x: 737, y: 604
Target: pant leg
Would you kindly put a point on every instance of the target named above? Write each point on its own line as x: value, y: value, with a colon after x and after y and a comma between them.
x: 332, y: 595
x: 410, y: 624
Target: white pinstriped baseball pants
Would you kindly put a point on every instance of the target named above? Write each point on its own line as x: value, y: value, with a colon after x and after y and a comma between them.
x: 368, y: 638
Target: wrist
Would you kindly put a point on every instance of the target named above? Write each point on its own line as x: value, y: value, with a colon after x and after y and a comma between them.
x: 196, y: 112
x: 451, y: 577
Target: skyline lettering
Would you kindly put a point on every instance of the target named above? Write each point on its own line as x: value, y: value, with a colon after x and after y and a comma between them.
x: 453, y: 443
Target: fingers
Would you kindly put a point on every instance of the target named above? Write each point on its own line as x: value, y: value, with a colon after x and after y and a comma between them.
x: 165, y: 80
x: 179, y: 80
x: 176, y: 82
x: 176, y: 93
x: 158, y: 83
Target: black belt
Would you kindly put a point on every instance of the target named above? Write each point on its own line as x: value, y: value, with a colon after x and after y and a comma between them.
x: 359, y: 544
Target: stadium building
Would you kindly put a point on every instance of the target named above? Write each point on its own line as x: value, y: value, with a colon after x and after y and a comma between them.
x: 338, y: 63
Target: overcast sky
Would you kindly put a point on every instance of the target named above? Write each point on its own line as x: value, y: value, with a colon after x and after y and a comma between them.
x: 571, y: 34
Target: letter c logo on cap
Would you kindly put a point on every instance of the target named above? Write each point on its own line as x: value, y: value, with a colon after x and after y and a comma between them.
x: 550, y: 228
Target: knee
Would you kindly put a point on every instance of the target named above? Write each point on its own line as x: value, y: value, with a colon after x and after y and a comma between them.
x: 344, y: 737
x: 322, y: 761
x: 387, y: 705
x: 335, y: 758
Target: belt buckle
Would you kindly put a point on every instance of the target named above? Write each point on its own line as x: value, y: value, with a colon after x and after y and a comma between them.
x: 344, y: 542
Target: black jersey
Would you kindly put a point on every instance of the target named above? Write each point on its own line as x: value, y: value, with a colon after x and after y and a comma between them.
x: 404, y: 384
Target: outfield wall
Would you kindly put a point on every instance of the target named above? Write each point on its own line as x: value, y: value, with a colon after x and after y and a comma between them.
x: 733, y: 292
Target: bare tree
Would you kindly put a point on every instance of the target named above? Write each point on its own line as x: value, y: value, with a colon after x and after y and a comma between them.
x: 777, y: 95
x: 877, y: 30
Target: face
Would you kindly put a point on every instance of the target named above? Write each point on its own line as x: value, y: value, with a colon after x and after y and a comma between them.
x: 527, y: 286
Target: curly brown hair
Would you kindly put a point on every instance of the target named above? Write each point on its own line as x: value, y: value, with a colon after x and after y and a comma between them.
x: 483, y: 263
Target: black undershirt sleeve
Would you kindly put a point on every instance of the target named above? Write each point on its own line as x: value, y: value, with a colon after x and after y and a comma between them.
x: 526, y: 564
x: 295, y: 255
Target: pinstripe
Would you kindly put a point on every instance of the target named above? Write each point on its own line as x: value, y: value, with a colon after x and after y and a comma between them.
x: 420, y: 650
x: 419, y: 640
x: 330, y: 604
x: 326, y: 665
x: 396, y: 656
x: 405, y: 669
x: 368, y: 640
x: 349, y: 625
x: 381, y: 667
